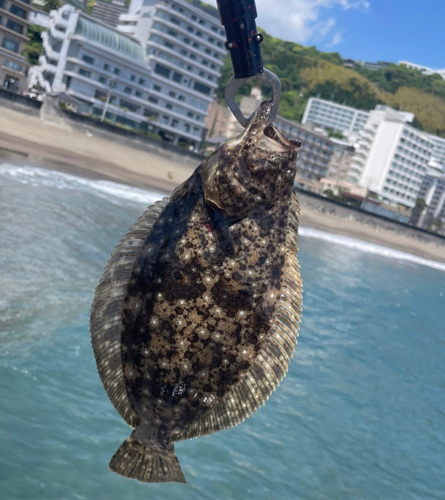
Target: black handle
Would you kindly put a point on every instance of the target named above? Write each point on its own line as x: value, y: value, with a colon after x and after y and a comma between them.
x: 243, y: 40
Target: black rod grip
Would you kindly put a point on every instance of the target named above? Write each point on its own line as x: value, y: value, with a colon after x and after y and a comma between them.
x: 243, y: 40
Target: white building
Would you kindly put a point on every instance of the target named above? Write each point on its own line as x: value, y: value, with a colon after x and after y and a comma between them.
x: 159, y: 80
x: 391, y: 157
x: 338, y: 117
x: 432, y: 191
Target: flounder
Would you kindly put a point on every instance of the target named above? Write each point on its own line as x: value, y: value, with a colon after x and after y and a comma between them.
x: 195, y: 318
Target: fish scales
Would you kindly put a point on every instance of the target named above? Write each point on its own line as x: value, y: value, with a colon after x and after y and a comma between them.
x: 196, y: 317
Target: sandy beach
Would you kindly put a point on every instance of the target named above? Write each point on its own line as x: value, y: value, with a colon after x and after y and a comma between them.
x: 30, y: 141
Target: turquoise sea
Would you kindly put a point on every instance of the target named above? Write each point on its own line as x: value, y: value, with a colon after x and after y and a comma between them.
x: 361, y: 414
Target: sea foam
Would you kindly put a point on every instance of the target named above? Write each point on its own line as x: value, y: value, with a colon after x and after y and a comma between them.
x: 364, y: 246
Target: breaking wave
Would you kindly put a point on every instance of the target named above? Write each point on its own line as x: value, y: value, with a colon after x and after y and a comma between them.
x: 364, y: 246
x: 35, y: 176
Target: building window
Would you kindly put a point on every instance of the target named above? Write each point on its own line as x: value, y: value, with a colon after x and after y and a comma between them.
x: 102, y: 80
x: 106, y: 67
x: 10, y: 44
x: 14, y: 66
x: 84, y: 72
x: 88, y: 59
x: 12, y: 25
x: 132, y: 78
x: 101, y: 96
x: 138, y: 94
x: 172, y: 94
x: 169, y: 106
x: 128, y: 105
x: 152, y: 99
x: 18, y: 11
x: 177, y: 77
x: 157, y: 88
x: 181, y: 98
x: 150, y: 115
x: 128, y: 90
x: 199, y: 87
x: 117, y: 71
x: 162, y: 70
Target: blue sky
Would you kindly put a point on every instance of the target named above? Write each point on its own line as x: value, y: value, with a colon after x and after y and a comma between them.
x: 369, y: 30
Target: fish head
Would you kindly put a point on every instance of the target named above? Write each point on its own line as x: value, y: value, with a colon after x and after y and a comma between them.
x: 256, y: 168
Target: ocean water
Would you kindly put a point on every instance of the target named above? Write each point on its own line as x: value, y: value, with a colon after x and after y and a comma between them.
x: 361, y: 414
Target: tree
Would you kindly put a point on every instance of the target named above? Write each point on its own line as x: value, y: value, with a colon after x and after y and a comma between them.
x: 419, y: 207
x: 50, y: 5
x: 33, y: 47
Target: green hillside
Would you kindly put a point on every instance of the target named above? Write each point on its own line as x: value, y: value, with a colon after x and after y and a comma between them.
x: 307, y: 72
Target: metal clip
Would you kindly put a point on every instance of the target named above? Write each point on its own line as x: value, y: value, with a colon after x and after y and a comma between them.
x: 265, y: 77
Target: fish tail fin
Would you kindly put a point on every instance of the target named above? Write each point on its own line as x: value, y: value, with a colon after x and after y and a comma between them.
x: 155, y: 464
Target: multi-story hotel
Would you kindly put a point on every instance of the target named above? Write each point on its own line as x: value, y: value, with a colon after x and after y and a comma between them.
x: 337, y: 117
x: 160, y: 79
x: 391, y: 157
x: 14, y: 24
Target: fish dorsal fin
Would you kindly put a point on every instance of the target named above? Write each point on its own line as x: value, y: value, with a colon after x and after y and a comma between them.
x: 107, y: 309
x: 271, y: 364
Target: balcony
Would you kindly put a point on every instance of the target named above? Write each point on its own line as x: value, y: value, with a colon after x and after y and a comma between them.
x: 127, y: 29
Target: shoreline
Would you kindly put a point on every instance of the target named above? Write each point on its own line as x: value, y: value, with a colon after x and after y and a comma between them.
x: 87, y: 156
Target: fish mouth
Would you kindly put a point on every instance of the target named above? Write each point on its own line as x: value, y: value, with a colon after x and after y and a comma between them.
x: 269, y: 136
x: 275, y: 141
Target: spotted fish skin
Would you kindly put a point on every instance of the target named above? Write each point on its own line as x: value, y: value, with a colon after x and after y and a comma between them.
x: 209, y: 316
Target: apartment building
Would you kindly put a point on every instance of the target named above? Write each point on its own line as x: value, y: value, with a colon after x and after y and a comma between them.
x: 337, y: 117
x: 158, y: 77
x: 14, y: 15
x: 391, y: 157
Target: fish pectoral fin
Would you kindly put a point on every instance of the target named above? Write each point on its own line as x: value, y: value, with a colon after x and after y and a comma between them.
x: 149, y: 464
x: 220, y: 227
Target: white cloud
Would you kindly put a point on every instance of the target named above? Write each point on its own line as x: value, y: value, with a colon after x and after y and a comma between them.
x: 336, y: 39
x: 302, y: 21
